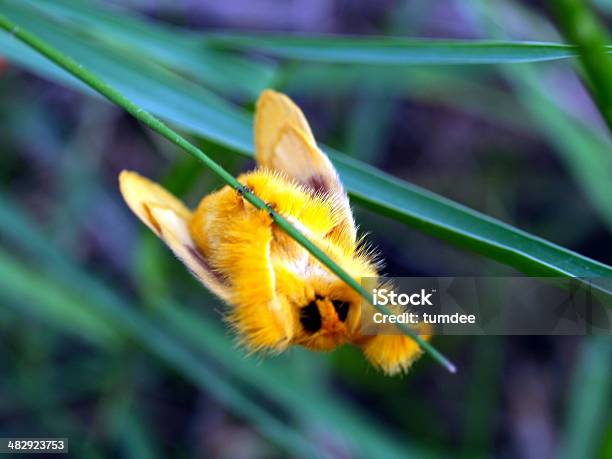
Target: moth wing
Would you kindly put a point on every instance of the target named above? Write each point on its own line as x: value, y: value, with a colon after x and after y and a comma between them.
x: 284, y: 142
x: 168, y: 218
x: 272, y: 112
x: 299, y: 158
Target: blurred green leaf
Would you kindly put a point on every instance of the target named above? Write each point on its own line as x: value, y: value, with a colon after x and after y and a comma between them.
x: 368, y: 125
x: 175, y: 48
x: 342, y: 49
x: 35, y: 294
x: 193, y: 108
x: 589, y: 401
x: 483, y: 398
x: 129, y: 427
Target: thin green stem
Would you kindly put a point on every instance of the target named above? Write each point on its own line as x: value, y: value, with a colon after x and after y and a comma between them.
x: 580, y: 26
x: 87, y: 77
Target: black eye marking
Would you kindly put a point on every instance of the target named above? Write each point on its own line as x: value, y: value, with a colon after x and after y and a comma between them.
x: 310, y: 317
x: 342, y: 309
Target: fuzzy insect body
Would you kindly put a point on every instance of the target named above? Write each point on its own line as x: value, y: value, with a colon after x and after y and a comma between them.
x: 279, y: 295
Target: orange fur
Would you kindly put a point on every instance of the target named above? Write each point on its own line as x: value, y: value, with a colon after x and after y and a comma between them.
x: 279, y: 294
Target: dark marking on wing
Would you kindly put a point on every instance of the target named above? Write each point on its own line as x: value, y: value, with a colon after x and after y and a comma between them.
x: 152, y: 220
x: 195, y: 253
x: 318, y: 184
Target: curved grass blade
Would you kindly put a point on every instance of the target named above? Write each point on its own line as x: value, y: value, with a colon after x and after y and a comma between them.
x: 340, y: 49
x: 461, y: 225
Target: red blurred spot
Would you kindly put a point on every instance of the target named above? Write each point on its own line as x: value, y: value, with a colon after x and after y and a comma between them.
x: 3, y: 65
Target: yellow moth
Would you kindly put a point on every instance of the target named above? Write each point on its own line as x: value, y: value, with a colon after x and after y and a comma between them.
x: 278, y: 294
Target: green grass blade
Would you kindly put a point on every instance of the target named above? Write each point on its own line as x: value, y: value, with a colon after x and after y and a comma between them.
x: 483, y: 396
x: 129, y: 432
x: 589, y: 400
x: 582, y: 28
x: 461, y: 225
x: 197, y: 111
x: 392, y: 50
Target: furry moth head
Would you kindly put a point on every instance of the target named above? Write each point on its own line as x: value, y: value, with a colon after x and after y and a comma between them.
x: 278, y: 294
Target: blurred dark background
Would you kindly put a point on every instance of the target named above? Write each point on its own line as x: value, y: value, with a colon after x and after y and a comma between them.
x: 476, y: 135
